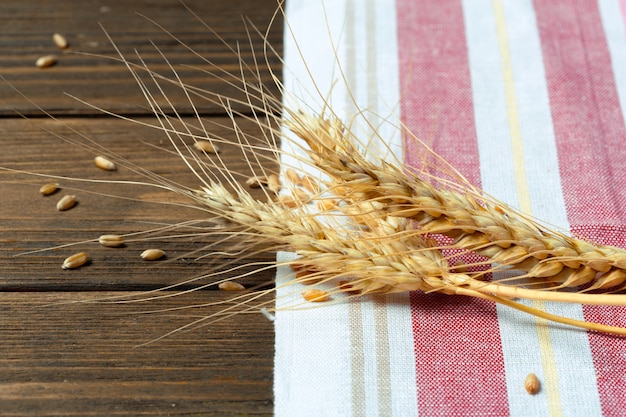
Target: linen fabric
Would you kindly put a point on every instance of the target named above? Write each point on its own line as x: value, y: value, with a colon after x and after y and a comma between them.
x: 525, y: 98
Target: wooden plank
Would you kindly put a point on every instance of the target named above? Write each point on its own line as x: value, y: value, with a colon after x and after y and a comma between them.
x: 87, y: 70
x: 84, y: 359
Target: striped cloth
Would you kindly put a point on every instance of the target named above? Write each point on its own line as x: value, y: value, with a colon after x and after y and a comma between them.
x: 525, y: 98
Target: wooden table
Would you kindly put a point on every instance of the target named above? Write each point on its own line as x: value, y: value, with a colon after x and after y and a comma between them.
x: 59, y: 357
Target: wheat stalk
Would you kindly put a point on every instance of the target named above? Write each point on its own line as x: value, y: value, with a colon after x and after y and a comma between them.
x: 381, y: 240
x: 381, y: 236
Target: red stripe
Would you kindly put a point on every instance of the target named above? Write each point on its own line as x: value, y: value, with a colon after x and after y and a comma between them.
x: 460, y: 365
x: 591, y: 143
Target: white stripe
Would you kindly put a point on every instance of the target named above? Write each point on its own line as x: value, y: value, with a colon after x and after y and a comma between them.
x: 615, y: 32
x: 402, y: 356
x: 313, y: 358
x: 520, y: 342
x: 492, y: 129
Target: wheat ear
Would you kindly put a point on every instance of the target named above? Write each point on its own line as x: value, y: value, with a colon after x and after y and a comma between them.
x: 376, y: 194
x: 473, y: 221
x: 381, y: 254
x: 380, y: 239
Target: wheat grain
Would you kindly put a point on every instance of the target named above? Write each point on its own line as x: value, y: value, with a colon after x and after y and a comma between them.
x: 256, y: 182
x: 111, y: 241
x: 206, y: 146
x: 327, y: 204
x: 293, y: 176
x: 60, y: 41
x: 301, y: 195
x: 66, y: 203
x: 310, y: 184
x: 76, y: 260
x: 531, y: 384
x: 46, y: 61
x: 104, y: 164
x: 288, y: 201
x: 230, y: 286
x: 273, y: 183
x: 315, y: 295
x: 48, y: 189
x: 152, y: 254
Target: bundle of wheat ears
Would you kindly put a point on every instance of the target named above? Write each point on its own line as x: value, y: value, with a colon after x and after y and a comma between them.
x: 360, y: 224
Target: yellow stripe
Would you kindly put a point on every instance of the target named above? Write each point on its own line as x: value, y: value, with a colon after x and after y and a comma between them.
x: 521, y: 183
x: 357, y: 361
x: 551, y: 384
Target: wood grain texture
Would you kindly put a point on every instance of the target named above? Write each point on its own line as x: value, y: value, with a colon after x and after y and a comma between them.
x: 84, y: 359
x: 63, y: 357
x: 33, y: 223
x: 90, y: 67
